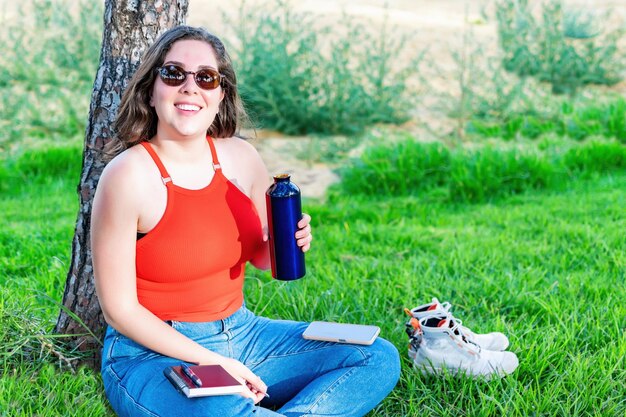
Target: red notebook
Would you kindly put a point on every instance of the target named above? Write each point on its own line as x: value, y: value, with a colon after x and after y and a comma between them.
x: 214, y: 379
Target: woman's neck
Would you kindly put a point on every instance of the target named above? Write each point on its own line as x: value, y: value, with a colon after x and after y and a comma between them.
x: 185, y: 149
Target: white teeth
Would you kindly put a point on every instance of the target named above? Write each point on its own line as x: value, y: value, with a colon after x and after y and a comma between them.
x: 189, y: 107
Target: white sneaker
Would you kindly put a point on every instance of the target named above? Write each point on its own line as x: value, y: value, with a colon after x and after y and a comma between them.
x: 489, y: 341
x: 443, y: 346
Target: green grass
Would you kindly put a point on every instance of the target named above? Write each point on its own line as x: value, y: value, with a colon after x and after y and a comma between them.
x: 577, y: 119
x: 476, y: 173
x: 527, y: 240
x: 545, y: 267
x: 44, y: 391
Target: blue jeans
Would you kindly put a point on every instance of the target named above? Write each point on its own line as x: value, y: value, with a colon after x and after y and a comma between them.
x: 304, y: 377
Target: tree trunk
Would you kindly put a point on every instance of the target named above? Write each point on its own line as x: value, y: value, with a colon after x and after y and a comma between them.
x: 129, y: 27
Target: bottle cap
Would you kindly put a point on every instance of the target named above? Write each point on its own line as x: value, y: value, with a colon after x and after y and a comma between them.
x: 282, y: 177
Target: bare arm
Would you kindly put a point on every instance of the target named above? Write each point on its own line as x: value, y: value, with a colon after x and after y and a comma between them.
x: 260, y: 184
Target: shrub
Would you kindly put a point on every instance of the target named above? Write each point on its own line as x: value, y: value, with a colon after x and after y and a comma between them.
x: 40, y: 166
x: 399, y: 168
x: 577, y: 121
x: 486, y: 91
x: 294, y: 79
x: 48, y: 61
x: 614, y: 118
x: 564, y: 49
x: 487, y: 173
x: 473, y: 175
x: 596, y: 156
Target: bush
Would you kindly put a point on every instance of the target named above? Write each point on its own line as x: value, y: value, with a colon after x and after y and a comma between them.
x: 40, y: 166
x: 48, y: 61
x: 576, y: 121
x: 486, y: 173
x: 564, y: 49
x: 473, y: 175
x: 294, y: 79
x: 398, y: 169
x: 596, y: 157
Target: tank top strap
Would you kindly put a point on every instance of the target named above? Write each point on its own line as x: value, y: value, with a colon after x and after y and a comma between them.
x: 165, y: 176
x: 216, y: 162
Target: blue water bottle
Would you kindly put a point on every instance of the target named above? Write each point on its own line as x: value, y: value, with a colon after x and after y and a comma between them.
x: 284, y: 211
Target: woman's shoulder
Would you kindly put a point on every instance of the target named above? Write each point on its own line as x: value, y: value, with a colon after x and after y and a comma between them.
x: 127, y: 168
x: 238, y: 144
x: 240, y: 149
x: 241, y: 160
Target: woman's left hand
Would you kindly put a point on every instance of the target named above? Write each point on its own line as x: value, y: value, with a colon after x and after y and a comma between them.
x: 303, y: 235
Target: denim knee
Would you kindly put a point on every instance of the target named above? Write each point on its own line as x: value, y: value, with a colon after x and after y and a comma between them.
x: 385, y: 356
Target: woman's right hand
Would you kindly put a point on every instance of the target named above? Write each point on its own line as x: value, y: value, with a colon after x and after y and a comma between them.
x: 256, y: 388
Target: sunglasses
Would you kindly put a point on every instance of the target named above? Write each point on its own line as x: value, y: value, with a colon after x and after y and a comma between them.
x: 174, y: 76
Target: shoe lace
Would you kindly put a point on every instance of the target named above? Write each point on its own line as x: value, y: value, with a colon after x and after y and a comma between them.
x: 446, y: 306
x: 456, y: 325
x: 457, y: 328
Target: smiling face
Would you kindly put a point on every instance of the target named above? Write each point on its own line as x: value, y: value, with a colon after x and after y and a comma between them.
x: 186, y: 111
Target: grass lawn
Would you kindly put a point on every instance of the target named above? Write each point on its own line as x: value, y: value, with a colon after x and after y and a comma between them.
x: 547, y: 268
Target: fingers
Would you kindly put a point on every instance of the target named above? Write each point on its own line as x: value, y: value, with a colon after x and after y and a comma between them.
x: 255, y: 388
x: 258, y: 395
x: 306, y: 219
x: 305, y: 242
x: 304, y: 235
x: 247, y: 393
x: 255, y: 395
x: 257, y: 384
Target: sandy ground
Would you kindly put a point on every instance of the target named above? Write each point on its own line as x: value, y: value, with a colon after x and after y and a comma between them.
x: 439, y: 25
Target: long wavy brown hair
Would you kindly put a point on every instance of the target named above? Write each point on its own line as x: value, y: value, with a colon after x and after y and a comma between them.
x: 137, y: 121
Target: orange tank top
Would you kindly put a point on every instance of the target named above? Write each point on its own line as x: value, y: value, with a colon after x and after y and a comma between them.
x: 191, y: 265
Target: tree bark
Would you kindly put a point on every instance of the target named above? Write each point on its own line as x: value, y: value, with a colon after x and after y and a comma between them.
x: 129, y: 27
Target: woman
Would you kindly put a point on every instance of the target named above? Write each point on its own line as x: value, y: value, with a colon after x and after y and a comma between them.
x: 176, y: 217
